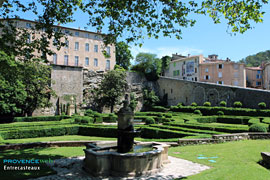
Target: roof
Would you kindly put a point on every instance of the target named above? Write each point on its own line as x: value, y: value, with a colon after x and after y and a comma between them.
x: 19, y: 19
x: 186, y: 58
x: 254, y: 68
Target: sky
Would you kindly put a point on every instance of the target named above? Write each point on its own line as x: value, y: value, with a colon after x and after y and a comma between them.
x: 204, y: 38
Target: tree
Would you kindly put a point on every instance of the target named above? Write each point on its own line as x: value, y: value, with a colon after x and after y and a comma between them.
x: 136, y: 20
x: 12, y: 88
x: 111, y: 89
x: 257, y: 59
x: 148, y: 64
x: 165, y: 64
x: 149, y: 98
x: 123, y: 54
x: 24, y: 86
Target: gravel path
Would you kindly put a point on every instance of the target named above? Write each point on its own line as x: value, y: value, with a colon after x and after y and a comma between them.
x: 71, y: 169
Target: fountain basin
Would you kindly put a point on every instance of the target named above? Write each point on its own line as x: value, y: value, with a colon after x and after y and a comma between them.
x: 102, y: 160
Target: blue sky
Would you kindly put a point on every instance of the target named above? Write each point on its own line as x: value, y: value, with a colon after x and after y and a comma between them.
x: 203, y: 38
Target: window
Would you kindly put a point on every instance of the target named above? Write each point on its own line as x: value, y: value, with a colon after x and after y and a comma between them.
x: 87, y: 35
x: 195, y: 78
x: 77, y: 33
x: 96, y: 37
x: 174, y: 64
x: 219, y: 82
x: 220, y: 74
x: 54, y: 58
x: 28, y: 38
x: 257, y: 76
x: 96, y: 48
x: 196, y: 60
x: 236, y: 66
x: 171, y: 91
x: 28, y: 25
x: 86, y: 61
x: 96, y: 62
x: 235, y: 83
x: 220, y: 66
x: 195, y: 70
x: 87, y: 47
x: 76, y: 61
x: 108, y: 51
x: 236, y: 74
x: 258, y: 83
x: 258, y: 72
x: 54, y: 42
x: 66, y: 31
x: 76, y: 46
x: 108, y: 64
x: 206, y: 69
x: 67, y: 44
x: 206, y: 77
x: 66, y: 60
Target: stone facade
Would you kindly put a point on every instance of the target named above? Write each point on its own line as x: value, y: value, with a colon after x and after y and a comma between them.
x: 67, y: 83
x: 83, y: 48
x: 187, y: 92
x: 136, y: 83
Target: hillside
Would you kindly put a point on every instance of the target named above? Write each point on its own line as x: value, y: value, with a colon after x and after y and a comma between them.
x: 257, y: 59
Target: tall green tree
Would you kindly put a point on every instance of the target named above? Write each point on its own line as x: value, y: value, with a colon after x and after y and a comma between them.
x: 149, y: 65
x: 111, y: 89
x: 165, y: 62
x: 123, y: 55
x: 24, y: 86
x: 257, y: 59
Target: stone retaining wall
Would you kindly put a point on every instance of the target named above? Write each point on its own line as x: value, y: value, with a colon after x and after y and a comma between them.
x: 224, y: 138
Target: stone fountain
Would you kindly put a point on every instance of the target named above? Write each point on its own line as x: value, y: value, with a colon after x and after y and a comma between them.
x: 120, y: 159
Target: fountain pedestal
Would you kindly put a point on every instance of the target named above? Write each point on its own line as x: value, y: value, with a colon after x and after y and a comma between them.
x: 119, y: 160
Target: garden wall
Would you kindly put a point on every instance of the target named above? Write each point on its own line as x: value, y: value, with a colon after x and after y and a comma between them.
x: 199, y: 92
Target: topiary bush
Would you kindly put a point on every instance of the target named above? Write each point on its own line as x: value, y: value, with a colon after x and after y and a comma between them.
x: 237, y: 104
x: 149, y: 120
x: 223, y: 103
x: 180, y: 104
x: 193, y: 104
x: 220, y: 113
x: 208, y: 104
x: 262, y: 105
x: 197, y: 112
x: 258, y: 127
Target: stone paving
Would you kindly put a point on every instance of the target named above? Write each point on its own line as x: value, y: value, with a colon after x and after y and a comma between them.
x: 71, y: 169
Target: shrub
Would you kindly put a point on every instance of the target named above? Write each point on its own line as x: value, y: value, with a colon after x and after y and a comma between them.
x: 83, y: 119
x: 149, y: 120
x: 110, y: 118
x: 193, y: 104
x: 89, y: 112
x: 223, y: 104
x: 262, y: 105
x: 180, y: 104
x: 158, y: 109
x: 197, y: 112
x: 168, y: 115
x: 220, y: 113
x: 258, y: 127
x: 152, y: 132
x: 208, y: 104
x: 237, y: 104
x: 40, y: 118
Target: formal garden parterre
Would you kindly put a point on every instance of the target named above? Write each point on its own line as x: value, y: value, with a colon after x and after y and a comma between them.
x: 161, y: 124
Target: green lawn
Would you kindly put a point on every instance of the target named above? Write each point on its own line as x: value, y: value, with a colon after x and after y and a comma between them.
x: 236, y: 160
x: 57, y: 138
